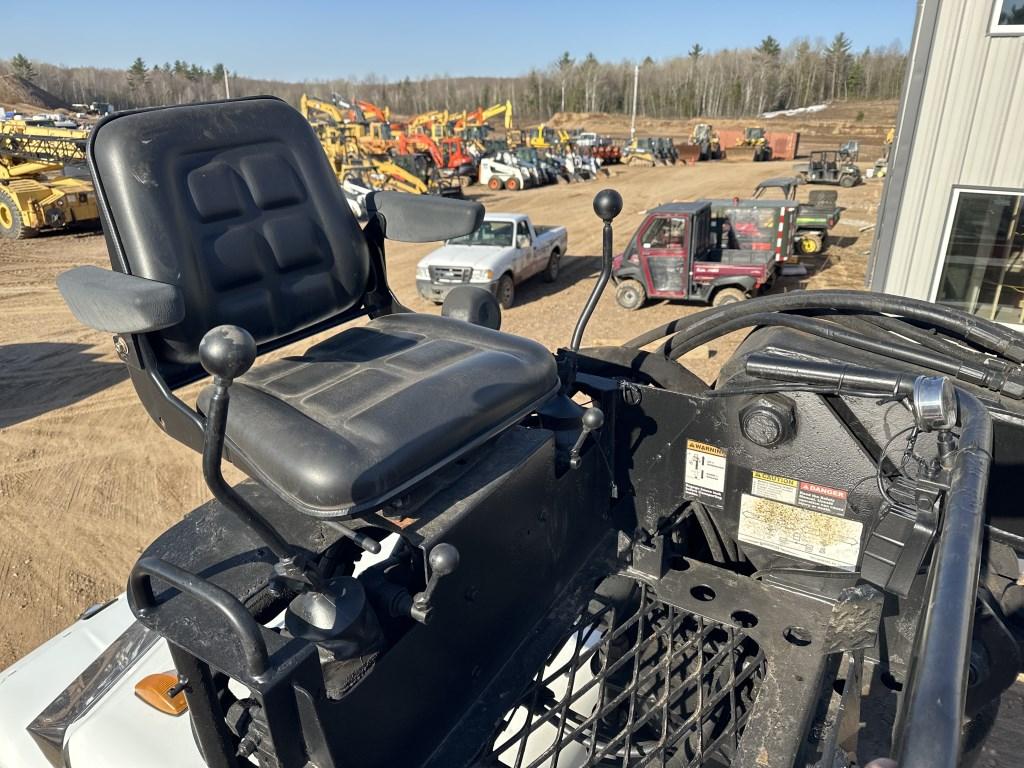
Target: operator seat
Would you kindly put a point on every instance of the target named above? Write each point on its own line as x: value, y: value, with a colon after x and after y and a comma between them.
x: 229, y: 213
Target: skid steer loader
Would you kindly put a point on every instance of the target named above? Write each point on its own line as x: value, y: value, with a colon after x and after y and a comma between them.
x: 455, y: 548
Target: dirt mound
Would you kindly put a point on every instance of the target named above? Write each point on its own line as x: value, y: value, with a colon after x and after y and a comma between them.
x: 19, y: 92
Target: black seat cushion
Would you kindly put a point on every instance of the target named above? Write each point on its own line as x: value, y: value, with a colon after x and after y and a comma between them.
x: 366, y: 414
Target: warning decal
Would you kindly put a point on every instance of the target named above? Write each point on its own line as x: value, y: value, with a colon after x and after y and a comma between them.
x: 804, y: 533
x: 705, y: 472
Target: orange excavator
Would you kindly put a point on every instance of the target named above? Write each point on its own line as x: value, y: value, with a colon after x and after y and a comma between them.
x: 449, y: 154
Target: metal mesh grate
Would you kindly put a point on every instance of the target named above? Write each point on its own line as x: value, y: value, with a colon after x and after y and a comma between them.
x: 636, y: 683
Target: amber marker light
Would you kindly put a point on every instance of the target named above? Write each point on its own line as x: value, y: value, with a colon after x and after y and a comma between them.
x: 164, y: 692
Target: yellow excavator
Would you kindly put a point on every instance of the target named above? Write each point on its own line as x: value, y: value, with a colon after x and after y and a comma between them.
x: 356, y: 146
x: 38, y: 186
x: 372, y: 137
x: 542, y: 137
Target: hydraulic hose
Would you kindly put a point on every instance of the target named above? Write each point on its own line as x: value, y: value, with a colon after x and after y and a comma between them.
x: 978, y: 331
x: 892, y: 349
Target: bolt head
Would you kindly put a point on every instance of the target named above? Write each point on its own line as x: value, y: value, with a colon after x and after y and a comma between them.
x: 607, y: 204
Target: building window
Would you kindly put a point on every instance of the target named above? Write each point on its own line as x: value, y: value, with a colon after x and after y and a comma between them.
x: 1008, y: 17
x: 982, y: 269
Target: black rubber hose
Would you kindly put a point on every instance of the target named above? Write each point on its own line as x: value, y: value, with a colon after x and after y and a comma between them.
x: 934, y: 341
x: 834, y: 332
x: 984, y: 333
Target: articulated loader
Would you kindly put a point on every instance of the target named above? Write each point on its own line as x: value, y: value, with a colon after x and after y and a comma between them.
x: 38, y: 188
x: 758, y: 139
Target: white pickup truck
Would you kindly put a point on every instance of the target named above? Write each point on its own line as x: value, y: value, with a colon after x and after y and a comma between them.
x: 505, y: 250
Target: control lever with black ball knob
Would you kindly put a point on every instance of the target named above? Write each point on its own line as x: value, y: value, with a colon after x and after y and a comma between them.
x: 227, y: 352
x: 607, y: 205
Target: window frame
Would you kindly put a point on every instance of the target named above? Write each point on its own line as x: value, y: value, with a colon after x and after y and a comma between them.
x: 995, y: 29
x: 947, y: 233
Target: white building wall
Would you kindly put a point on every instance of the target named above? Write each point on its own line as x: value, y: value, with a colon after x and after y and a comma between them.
x: 970, y: 132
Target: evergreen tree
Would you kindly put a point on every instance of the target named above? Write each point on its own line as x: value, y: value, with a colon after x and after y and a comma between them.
x: 23, y: 67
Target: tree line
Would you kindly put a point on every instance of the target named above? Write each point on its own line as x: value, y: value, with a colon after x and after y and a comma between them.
x: 725, y: 83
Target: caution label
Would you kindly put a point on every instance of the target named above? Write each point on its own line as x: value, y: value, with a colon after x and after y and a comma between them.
x: 705, y: 472
x: 803, y: 533
x: 774, y: 487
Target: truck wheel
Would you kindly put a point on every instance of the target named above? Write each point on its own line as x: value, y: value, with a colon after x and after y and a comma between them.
x: 506, y: 293
x: 512, y: 185
x: 847, y: 181
x: 554, y: 265
x: 494, y: 184
x: 728, y: 296
x: 630, y: 294
x: 12, y: 226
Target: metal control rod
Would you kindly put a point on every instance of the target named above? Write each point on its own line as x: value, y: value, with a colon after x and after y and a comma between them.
x: 931, y: 730
x: 837, y: 375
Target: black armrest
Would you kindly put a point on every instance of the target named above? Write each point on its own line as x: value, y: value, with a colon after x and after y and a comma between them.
x: 423, y: 218
x: 119, y: 303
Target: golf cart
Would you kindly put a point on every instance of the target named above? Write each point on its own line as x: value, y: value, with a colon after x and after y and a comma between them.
x: 814, y: 219
x: 828, y: 167
x: 457, y: 549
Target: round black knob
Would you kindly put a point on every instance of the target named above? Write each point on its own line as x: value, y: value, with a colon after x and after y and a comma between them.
x: 607, y: 204
x: 444, y: 559
x: 227, y: 351
x: 593, y: 418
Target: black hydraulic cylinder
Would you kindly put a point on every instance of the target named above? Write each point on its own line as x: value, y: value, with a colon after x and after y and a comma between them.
x: 837, y: 375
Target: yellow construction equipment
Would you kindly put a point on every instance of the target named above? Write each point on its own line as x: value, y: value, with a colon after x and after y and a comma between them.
x: 38, y: 188
x: 640, y: 152
x: 758, y: 139
x: 355, y: 145
x: 705, y: 138
x: 328, y: 118
x: 542, y: 137
x: 882, y: 163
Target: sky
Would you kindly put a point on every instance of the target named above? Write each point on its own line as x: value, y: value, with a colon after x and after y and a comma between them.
x: 296, y: 40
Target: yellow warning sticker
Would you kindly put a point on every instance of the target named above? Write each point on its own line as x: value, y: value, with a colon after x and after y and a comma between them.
x: 803, y: 533
x: 705, y: 472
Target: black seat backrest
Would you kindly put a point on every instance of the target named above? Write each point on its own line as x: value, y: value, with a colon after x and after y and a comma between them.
x: 235, y: 203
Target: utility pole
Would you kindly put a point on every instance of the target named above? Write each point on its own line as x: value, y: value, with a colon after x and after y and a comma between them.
x: 227, y: 88
x: 636, y: 82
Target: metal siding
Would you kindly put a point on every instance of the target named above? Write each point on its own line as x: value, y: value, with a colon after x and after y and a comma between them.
x: 972, y: 111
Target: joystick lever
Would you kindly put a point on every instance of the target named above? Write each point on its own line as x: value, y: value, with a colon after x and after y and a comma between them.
x: 443, y: 560
x: 592, y: 420
x: 227, y: 352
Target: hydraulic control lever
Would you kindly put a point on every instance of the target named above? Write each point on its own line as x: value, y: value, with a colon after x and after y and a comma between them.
x: 443, y: 560
x: 607, y: 205
x: 592, y: 420
x: 227, y: 352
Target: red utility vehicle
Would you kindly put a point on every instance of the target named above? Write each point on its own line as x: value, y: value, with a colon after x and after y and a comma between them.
x: 675, y: 254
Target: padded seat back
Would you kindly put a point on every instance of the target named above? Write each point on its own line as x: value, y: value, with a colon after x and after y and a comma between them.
x: 238, y: 207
